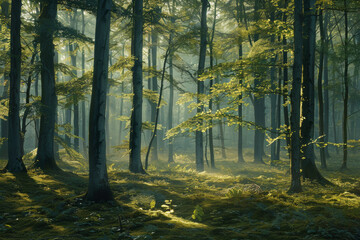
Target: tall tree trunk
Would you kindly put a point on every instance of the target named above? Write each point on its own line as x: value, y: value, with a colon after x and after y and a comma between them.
x: 200, y: 86
x: 171, y: 88
x: 309, y: 169
x: 346, y: 88
x: 320, y: 92
x: 285, y: 86
x: 239, y: 7
x: 295, y: 185
x: 211, y: 46
x: 259, y: 106
x: 5, y: 7
x: 47, y: 21
x: 99, y: 189
x: 83, y: 109
x: 15, y: 163
x: 135, y: 165
x: 273, y: 96
x: 154, y: 43
x: 73, y: 56
x: 326, y: 84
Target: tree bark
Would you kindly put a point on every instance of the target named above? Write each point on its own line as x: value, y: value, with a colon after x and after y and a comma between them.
x: 99, y: 189
x: 346, y: 88
x: 47, y: 23
x: 135, y: 165
x: 15, y: 163
x: 295, y: 185
x: 320, y: 92
x: 259, y: 106
x: 200, y: 86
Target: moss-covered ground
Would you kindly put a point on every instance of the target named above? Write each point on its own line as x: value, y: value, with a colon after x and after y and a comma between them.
x: 234, y: 201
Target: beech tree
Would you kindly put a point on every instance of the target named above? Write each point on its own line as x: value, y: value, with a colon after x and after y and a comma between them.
x: 136, y: 114
x: 99, y: 189
x: 47, y: 24
x: 15, y: 163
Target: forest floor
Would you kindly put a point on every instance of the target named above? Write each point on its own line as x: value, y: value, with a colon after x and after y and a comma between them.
x: 234, y: 201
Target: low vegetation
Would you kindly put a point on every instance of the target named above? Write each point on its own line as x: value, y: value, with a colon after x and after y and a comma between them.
x: 235, y: 201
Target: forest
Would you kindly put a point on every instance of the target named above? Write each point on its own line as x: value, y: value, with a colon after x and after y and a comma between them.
x: 179, y: 119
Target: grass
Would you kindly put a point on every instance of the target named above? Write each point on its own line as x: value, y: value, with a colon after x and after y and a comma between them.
x: 234, y: 201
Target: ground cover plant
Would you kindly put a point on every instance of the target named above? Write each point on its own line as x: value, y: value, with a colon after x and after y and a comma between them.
x: 234, y: 201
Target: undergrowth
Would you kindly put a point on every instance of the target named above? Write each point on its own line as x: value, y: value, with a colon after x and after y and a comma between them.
x: 233, y: 201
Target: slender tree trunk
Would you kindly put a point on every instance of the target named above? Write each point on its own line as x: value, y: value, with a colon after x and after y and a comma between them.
x: 83, y: 109
x: 273, y: 97
x: 259, y: 106
x: 99, y: 189
x: 73, y: 57
x: 135, y: 165
x: 320, y: 92
x: 45, y: 155
x: 239, y: 7
x: 295, y: 185
x: 278, y: 113
x: 211, y: 46
x: 154, y: 43
x: 27, y: 101
x: 200, y: 86
x: 171, y: 89
x: 15, y: 163
x: 346, y: 88
x: 326, y: 83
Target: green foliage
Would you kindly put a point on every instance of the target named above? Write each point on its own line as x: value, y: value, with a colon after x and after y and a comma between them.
x: 198, y: 213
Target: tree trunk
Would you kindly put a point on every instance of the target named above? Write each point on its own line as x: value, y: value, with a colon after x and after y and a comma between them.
x: 211, y: 45
x: 259, y: 106
x: 326, y: 83
x: 273, y: 97
x: 47, y: 23
x: 200, y: 86
x: 5, y: 7
x: 73, y: 56
x: 83, y: 109
x: 154, y: 43
x: 15, y: 163
x: 295, y: 185
x: 135, y: 165
x: 346, y: 89
x: 320, y: 92
x: 239, y: 7
x: 171, y: 89
x: 309, y: 169
x: 99, y: 189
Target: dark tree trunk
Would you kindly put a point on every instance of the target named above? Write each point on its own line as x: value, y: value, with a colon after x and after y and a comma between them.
x: 171, y: 88
x: 259, y: 106
x: 99, y: 189
x: 346, y: 88
x: 273, y: 97
x: 154, y: 43
x: 5, y: 7
x: 47, y: 21
x: 15, y: 163
x: 83, y: 109
x: 239, y: 7
x: 320, y: 92
x: 135, y: 165
x: 211, y: 46
x: 326, y: 83
x: 295, y: 185
x: 309, y: 169
x: 200, y: 86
